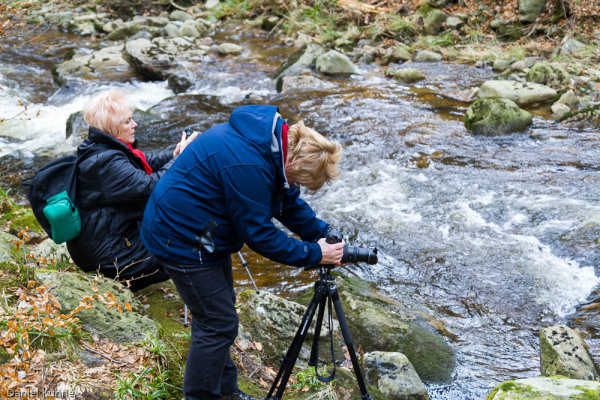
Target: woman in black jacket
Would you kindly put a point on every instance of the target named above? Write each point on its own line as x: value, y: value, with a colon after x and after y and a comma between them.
x: 114, y: 183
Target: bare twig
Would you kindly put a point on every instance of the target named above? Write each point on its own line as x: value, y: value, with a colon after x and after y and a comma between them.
x: 103, y: 355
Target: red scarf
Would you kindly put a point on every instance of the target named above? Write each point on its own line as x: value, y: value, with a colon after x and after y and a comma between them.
x: 284, y: 141
x: 141, y: 156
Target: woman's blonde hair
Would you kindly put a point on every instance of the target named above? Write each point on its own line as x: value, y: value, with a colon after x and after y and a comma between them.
x: 312, y: 158
x: 107, y: 111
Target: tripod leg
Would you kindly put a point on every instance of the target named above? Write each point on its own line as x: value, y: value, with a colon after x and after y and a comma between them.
x: 314, y: 353
x: 339, y: 311
x: 290, y: 357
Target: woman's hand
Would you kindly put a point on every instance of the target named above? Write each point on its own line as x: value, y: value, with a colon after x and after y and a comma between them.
x: 183, y: 143
x: 331, y: 252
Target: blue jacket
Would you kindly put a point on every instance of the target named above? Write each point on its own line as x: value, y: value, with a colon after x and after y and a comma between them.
x: 232, y: 174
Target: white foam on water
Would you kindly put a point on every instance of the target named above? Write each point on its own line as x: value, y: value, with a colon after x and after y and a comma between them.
x: 42, y: 129
x: 229, y: 94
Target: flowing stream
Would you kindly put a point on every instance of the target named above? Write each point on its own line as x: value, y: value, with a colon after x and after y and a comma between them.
x: 493, y: 236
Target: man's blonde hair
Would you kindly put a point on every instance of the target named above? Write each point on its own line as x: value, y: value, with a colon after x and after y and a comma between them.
x: 107, y: 111
x: 313, y: 158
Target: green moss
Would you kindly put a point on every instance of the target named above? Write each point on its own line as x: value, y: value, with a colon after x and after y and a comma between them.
x: 588, y: 394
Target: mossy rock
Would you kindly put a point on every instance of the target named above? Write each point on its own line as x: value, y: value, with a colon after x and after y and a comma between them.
x: 71, y: 288
x: 408, y: 75
x: 496, y: 116
x: 548, y: 74
x: 551, y: 388
x: 379, y: 324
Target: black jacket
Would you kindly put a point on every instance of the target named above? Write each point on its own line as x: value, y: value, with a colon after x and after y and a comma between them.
x: 112, y: 191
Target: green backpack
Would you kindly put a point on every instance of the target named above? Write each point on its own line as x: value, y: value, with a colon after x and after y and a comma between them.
x: 51, y: 193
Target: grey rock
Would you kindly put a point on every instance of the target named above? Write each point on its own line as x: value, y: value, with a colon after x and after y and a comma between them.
x: 302, y: 60
x: 428, y: 56
x: 77, y: 126
x: 544, y: 388
x: 529, y: 10
x: 189, y: 29
x: 6, y: 242
x: 229, y: 49
x: 141, y: 35
x: 454, y: 22
x: 569, y: 98
x: 181, y: 81
x: 49, y: 249
x: 301, y: 83
x: 501, y: 65
x: 394, y: 375
x: 496, y: 116
x: 335, y: 63
x: 211, y: 4
x: 547, y: 73
x: 170, y: 30
x: 571, y: 45
x: 71, y: 288
x: 400, y: 53
x: 525, y: 63
x: 123, y: 32
x: 113, y: 25
x: 559, y: 109
x: 565, y: 353
x: 433, y: 21
x: 408, y: 75
x: 74, y: 69
x: 179, y: 15
x: 521, y: 93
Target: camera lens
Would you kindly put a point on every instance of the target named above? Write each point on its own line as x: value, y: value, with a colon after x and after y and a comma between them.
x: 356, y: 254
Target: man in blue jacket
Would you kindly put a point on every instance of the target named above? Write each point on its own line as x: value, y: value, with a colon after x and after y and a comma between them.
x: 222, y: 192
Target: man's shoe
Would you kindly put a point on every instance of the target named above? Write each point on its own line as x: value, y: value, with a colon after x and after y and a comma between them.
x: 238, y: 395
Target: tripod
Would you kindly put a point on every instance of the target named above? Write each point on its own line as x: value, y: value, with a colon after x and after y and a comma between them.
x: 325, y: 293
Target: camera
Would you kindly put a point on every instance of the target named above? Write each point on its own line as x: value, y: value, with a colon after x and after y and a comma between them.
x: 188, y: 132
x: 352, y: 253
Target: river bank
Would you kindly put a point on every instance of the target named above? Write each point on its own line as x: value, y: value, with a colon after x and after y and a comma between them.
x: 439, y: 202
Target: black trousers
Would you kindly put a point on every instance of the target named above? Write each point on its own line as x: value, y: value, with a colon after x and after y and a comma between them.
x: 208, y: 292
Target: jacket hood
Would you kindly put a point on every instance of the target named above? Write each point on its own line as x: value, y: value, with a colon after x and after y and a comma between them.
x: 96, y: 136
x: 261, y: 124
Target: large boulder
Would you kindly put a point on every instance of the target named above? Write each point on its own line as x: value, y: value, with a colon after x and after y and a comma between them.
x: 394, y: 375
x: 272, y: 320
x: 496, y: 116
x: 335, y: 63
x: 565, y: 353
x: 555, y: 388
x: 116, y: 322
x: 524, y: 94
x: 160, y: 57
x: 529, y: 10
x: 302, y: 60
x: 379, y: 324
x: 428, y: 56
x: 549, y: 74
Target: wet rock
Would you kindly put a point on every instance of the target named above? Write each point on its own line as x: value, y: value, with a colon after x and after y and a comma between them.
x: 75, y: 68
x: 141, y: 35
x: 408, y: 75
x: 555, y: 388
x: 586, y: 118
x: 179, y: 15
x: 563, y: 352
x: 428, y: 56
x: 181, y: 81
x: 160, y: 57
x: 529, y: 10
x: 229, y: 49
x: 548, y: 74
x: 501, y: 65
x: 123, y: 32
x: 571, y: 45
x: 302, y: 60
x: 169, y: 30
x: 290, y: 84
x: 569, y: 98
x: 559, y: 109
x: 379, y: 324
x: 335, y: 63
x: 71, y: 288
x: 433, y: 21
x: 77, y: 126
x: 521, y: 93
x: 496, y: 116
x: 394, y: 375
x: 400, y: 53
x: 108, y: 64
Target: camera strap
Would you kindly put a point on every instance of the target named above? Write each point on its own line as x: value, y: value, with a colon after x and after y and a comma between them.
x: 330, y: 323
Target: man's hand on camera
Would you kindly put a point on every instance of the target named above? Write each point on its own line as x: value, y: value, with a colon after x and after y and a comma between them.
x: 183, y: 143
x: 331, y: 252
